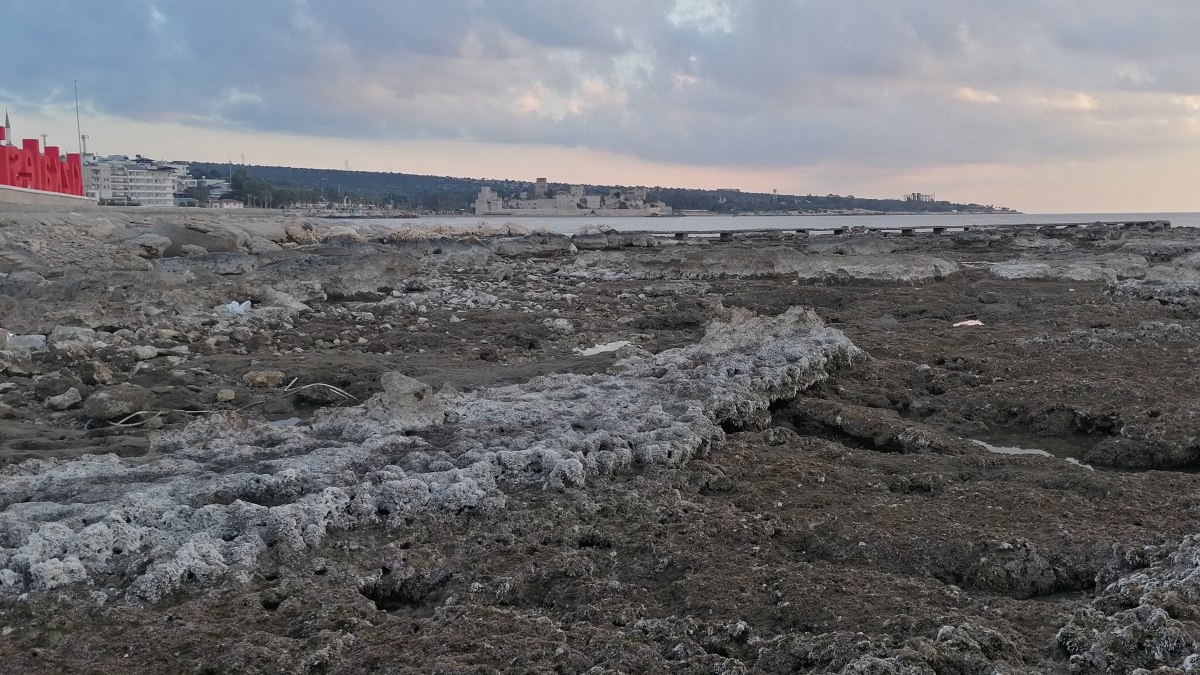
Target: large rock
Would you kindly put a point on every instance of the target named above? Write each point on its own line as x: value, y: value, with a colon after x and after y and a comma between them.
x: 144, y: 352
x: 68, y: 399
x: 119, y: 401
x: 407, y: 398
x: 149, y: 246
x: 1109, y: 267
x: 62, y: 334
x: 95, y: 372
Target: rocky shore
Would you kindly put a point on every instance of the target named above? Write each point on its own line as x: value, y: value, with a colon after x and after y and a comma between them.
x: 245, y: 443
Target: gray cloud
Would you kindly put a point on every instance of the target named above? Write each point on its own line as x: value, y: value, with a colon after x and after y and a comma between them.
x: 905, y: 83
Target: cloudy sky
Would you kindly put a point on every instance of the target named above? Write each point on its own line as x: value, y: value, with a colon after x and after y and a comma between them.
x: 1042, y: 105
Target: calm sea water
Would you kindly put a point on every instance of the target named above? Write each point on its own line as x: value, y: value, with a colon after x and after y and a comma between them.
x: 718, y: 223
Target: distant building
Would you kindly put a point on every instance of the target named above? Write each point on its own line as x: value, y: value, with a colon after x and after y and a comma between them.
x: 116, y: 179
x: 215, y: 186
x: 919, y: 197
x: 226, y: 204
x: 571, y: 202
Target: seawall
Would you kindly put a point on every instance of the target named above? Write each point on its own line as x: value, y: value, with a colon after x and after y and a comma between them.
x: 15, y: 196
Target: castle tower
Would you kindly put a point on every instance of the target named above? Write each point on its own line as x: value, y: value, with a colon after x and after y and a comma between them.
x: 539, y: 189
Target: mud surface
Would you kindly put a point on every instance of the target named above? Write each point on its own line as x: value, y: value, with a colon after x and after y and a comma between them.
x: 397, y: 459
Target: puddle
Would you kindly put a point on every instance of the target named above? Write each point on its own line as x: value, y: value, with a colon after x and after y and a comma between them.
x: 1012, y: 450
x: 600, y: 349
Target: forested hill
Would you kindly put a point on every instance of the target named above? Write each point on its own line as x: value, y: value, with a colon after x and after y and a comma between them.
x: 280, y: 184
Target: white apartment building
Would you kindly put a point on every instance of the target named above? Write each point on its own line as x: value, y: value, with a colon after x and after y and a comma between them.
x: 117, y: 179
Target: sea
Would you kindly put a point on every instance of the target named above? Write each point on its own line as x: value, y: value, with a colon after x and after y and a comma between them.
x: 573, y: 225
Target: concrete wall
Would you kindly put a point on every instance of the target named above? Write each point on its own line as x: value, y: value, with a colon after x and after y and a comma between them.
x: 25, y: 197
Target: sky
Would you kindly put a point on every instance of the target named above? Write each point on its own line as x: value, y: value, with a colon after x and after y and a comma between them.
x: 1040, y: 105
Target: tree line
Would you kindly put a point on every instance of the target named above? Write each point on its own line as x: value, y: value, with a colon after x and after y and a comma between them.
x: 278, y: 187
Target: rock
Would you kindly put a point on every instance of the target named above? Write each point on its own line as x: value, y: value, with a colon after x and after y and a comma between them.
x: 342, y: 234
x: 1109, y: 267
x: 406, y: 403
x: 559, y: 326
x: 261, y: 245
x: 62, y: 334
x: 72, y: 350
x: 113, y: 402
x: 3, y: 338
x: 68, y: 399
x: 149, y: 246
x: 145, y: 352
x: 974, y: 239
x: 191, y: 250
x: 1148, y: 605
x: 95, y: 372
x: 263, y: 378
x: 54, y: 384
x: 226, y: 395
x: 301, y: 233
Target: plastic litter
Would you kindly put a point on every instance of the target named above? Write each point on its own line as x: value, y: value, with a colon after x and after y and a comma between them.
x: 235, y: 307
x: 969, y: 322
x: 600, y: 349
x: 26, y: 343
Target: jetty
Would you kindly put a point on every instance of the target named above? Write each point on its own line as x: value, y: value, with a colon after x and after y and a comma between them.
x: 906, y: 231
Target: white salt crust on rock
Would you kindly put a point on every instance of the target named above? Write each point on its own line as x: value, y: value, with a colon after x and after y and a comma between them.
x: 205, y: 501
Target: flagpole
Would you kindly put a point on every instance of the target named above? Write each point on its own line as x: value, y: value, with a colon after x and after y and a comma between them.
x: 78, y: 128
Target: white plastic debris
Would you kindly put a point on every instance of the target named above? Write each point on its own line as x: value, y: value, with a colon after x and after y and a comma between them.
x: 1009, y: 450
x: 235, y: 307
x: 969, y: 322
x: 600, y: 349
x: 26, y: 343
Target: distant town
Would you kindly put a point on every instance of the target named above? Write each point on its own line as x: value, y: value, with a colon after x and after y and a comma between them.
x: 121, y: 180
